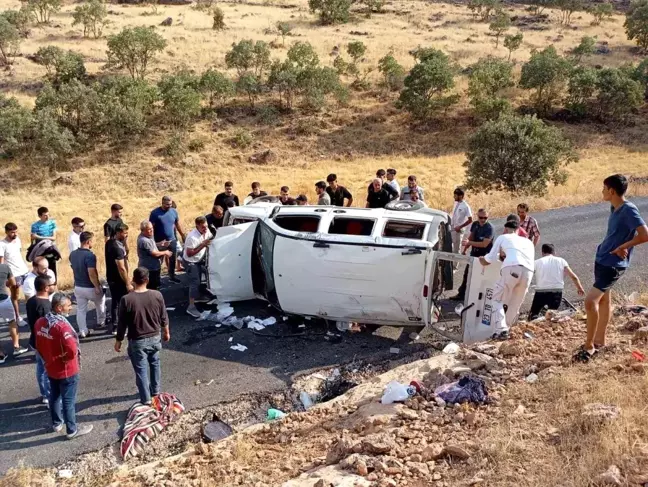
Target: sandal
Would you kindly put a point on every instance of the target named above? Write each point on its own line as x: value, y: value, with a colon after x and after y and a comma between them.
x: 583, y: 356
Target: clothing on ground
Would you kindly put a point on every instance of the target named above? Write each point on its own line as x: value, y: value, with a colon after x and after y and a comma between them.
x: 143, y: 314
x: 622, y: 227
x: 324, y: 199
x: 194, y: 239
x: 110, y: 227
x: 550, y: 273
x: 36, y: 308
x: 74, y: 241
x: 467, y: 389
x: 44, y: 229
x: 163, y: 222
x: 114, y: 251
x: 339, y: 195
x: 5, y: 273
x: 11, y: 252
x: 58, y: 344
x: 530, y: 227
x: 518, y: 250
x: 81, y: 260
x: 145, y: 247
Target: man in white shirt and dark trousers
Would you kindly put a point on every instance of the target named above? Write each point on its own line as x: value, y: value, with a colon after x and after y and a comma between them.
x: 517, y: 255
x: 461, y: 219
x: 550, y: 281
x: 74, y: 239
x: 194, y: 256
x: 11, y: 254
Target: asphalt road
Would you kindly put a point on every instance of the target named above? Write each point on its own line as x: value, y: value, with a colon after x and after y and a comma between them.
x: 199, y: 351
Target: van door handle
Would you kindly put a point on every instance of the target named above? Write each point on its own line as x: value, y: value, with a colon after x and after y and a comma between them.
x: 411, y: 252
x: 321, y: 245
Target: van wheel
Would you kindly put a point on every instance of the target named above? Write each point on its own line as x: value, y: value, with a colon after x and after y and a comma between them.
x: 404, y: 205
x: 265, y: 199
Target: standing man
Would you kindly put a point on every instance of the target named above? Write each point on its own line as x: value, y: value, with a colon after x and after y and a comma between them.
x: 480, y: 242
x: 143, y: 314
x: 40, y: 267
x: 148, y: 254
x: 550, y: 281
x: 626, y: 229
x: 256, y: 191
x: 227, y: 199
x: 165, y: 221
x: 215, y: 218
x: 195, y: 251
x: 58, y: 345
x: 323, y: 199
x: 74, y: 241
x: 528, y: 223
x: 391, y: 181
x: 44, y: 229
x: 515, y: 218
x: 411, y: 186
x: 11, y: 254
x: 284, y: 196
x: 461, y: 218
x: 37, y: 307
x: 117, y: 271
x: 87, y: 286
x: 337, y: 193
x: 115, y: 219
x: 378, y: 195
x: 380, y: 174
x: 515, y: 278
x: 8, y: 289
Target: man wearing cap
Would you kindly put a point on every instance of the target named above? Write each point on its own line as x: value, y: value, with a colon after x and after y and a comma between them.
x: 517, y: 255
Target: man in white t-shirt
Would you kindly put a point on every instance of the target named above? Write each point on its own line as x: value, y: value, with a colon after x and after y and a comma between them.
x: 11, y: 254
x: 74, y: 239
x: 517, y: 255
x: 194, y: 256
x: 391, y: 180
x: 461, y: 219
x: 550, y: 281
x: 40, y: 267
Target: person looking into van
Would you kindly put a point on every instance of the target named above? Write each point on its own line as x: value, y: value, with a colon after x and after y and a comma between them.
x: 378, y: 195
x: 302, y: 200
x: 256, y: 190
x: 338, y: 193
x: 215, y: 218
x: 381, y: 174
x: 227, y: 198
x: 284, y: 196
x: 323, y: 199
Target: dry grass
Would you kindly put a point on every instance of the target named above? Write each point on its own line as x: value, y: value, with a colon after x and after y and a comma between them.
x: 352, y: 142
x: 26, y: 477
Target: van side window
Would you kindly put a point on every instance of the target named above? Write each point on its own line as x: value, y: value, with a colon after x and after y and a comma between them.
x: 403, y: 229
x: 351, y: 226
x: 238, y: 221
x: 298, y: 223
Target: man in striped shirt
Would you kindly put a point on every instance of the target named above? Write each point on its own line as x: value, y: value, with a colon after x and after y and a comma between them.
x: 528, y: 223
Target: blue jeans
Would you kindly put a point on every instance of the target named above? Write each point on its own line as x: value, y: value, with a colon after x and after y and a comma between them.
x: 145, y: 357
x: 63, y: 402
x: 41, y: 377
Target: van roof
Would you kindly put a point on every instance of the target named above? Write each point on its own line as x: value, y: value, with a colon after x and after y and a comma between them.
x: 423, y: 215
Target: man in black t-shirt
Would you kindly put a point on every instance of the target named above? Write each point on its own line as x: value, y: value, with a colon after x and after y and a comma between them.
x: 380, y: 174
x: 215, y: 218
x: 378, y: 195
x: 284, y: 196
x: 337, y: 193
x: 117, y: 271
x: 227, y: 199
x: 37, y: 307
x: 111, y: 224
x: 256, y: 191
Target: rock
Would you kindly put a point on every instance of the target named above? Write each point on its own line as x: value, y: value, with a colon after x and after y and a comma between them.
x: 362, y: 468
x: 519, y: 411
x: 65, y: 179
x: 440, y: 402
x: 320, y: 483
x: 161, y: 168
x: 264, y: 157
x: 641, y: 335
x: 510, y: 349
x: 408, y: 414
x: 531, y: 378
x: 640, y: 367
x: 387, y: 483
x: 601, y: 412
x: 432, y: 452
x: 338, y: 451
x: 167, y: 22
x: 455, y: 451
x: 419, y: 468
x: 378, y: 444
x: 610, y: 477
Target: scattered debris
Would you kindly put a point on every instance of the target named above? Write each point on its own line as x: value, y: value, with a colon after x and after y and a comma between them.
x: 274, y: 414
x: 467, y: 389
x: 397, y: 392
x: 531, y: 378
x: 451, y: 348
x: 239, y: 348
x: 612, y: 476
x: 601, y: 412
x: 216, y: 430
x: 306, y: 400
x: 394, y: 350
x: 65, y: 474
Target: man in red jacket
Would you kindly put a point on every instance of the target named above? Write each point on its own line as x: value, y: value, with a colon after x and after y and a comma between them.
x: 58, y: 345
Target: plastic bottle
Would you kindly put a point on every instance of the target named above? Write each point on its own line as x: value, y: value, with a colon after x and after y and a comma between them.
x: 397, y: 392
x: 306, y: 400
x: 274, y: 414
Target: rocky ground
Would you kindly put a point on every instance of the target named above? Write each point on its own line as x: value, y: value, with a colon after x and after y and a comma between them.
x: 546, y: 422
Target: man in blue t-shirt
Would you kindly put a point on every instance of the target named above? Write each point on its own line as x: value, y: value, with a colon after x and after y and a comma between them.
x: 626, y: 229
x: 165, y: 221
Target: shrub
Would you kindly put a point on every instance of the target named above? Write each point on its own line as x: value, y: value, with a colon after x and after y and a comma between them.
x: 483, y: 8
x: 513, y: 43
x: 93, y: 16
x: 640, y: 74
x: 126, y: 103
x: 636, y: 23
x: 393, y: 73
x: 373, y: 6
x: 242, y: 139
x: 567, y: 9
x: 356, y: 50
x: 618, y: 94
x: 15, y: 121
x: 176, y: 146
x: 203, y: 5
x: 62, y: 66
x: 134, y: 49
x: 581, y: 90
x: 488, y: 77
x: 331, y: 11
x: 251, y: 86
x: 20, y: 19
x: 585, y: 48
x: 196, y: 145
x: 517, y: 154
x: 218, y: 18
x: 500, y: 24
x: 537, y: 6
x: 601, y: 12
x: 180, y: 98
x: 546, y: 73
x: 284, y: 29
x: 9, y: 41
x: 43, y: 9
x: 49, y: 141
x: 426, y: 85
x: 249, y: 57
x: 216, y: 86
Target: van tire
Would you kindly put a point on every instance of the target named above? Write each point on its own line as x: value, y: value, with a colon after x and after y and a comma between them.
x: 265, y: 199
x: 404, y: 205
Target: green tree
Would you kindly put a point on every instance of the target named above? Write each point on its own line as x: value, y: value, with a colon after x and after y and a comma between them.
x: 20, y: 19
x: 488, y: 78
x: 43, y: 9
x: 249, y: 57
x: 181, y: 104
x: 15, y: 121
x: 500, y: 24
x: 567, y: 9
x: 513, y: 43
x: 546, y: 72
x: 284, y: 29
x: 218, y: 18
x: 585, y: 48
x: 61, y: 66
x: 215, y: 86
x: 126, y: 104
x: 427, y: 86
x: 49, y: 141
x: 92, y: 16
x: 601, y: 12
x: 488, y: 7
x: 331, y: 11
x: 618, y: 94
x: 9, y: 41
x: 251, y: 85
x: 640, y: 74
x: 77, y: 107
x: 134, y: 49
x: 538, y: 6
x: 636, y: 23
x: 393, y: 73
x: 517, y: 154
x: 581, y: 90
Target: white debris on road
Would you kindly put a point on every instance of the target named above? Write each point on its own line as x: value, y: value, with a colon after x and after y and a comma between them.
x: 239, y: 348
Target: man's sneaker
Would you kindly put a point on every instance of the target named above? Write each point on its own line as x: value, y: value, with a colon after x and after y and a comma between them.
x: 83, y: 429
x: 44, y: 400
x: 3, y: 359
x: 58, y: 428
x: 114, y: 333
x: 193, y: 311
x: 83, y: 334
x: 502, y: 336
x: 175, y: 279
x: 22, y: 323
x: 19, y: 351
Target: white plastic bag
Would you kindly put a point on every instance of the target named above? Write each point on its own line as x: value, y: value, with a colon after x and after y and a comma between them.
x: 396, y: 392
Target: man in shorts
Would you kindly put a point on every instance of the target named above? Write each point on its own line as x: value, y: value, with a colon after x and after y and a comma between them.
x: 11, y: 254
x: 7, y: 288
x: 626, y: 229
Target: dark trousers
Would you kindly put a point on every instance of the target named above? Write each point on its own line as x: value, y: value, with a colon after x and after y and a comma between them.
x: 52, y: 265
x: 62, y: 402
x: 464, y: 283
x: 154, y: 280
x: 550, y: 299
x: 117, y: 291
x: 173, y: 247
x: 145, y: 358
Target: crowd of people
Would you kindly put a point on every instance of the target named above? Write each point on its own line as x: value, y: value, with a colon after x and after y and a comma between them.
x: 138, y: 311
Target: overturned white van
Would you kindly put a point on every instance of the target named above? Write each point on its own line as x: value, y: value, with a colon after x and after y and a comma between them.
x: 372, y: 266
